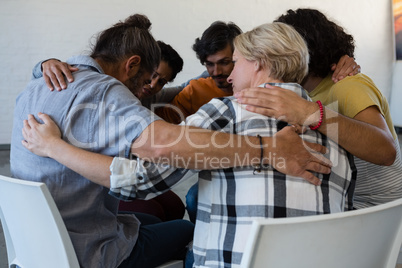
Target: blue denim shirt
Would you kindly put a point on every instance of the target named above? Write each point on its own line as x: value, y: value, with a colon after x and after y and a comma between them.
x: 98, y: 113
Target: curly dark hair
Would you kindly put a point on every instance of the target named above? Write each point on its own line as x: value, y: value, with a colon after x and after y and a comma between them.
x: 215, y: 38
x: 172, y: 58
x: 327, y: 42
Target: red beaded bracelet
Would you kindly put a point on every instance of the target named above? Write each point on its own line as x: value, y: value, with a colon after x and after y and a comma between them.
x: 321, y: 116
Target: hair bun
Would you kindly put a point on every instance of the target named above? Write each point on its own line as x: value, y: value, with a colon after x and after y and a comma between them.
x: 137, y: 20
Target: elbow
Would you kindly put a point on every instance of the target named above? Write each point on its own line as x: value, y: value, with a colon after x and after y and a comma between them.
x: 386, y: 154
x: 158, y: 142
x: 389, y: 158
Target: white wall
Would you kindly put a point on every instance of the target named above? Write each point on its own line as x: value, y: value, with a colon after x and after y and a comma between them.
x: 396, y: 95
x: 35, y: 30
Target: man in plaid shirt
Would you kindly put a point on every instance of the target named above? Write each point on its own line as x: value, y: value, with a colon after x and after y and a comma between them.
x: 229, y: 199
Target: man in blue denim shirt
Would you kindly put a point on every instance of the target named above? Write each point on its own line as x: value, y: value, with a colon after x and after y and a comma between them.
x: 93, y: 114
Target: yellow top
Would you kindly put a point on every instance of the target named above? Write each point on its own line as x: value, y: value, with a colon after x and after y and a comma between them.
x: 352, y: 95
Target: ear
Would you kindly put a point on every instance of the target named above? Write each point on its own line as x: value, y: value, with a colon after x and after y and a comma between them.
x: 257, y: 65
x: 132, y: 65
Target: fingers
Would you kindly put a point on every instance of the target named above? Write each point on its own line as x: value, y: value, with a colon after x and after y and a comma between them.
x: 55, y: 74
x: 24, y: 143
x: 31, y: 121
x: 356, y: 70
x: 45, y: 118
x: 308, y: 176
x: 51, y: 80
x: 346, y: 66
x: 317, y: 167
x: 341, y: 70
x: 259, y: 110
x: 26, y: 125
x: 25, y: 129
x: 256, y: 102
x: 337, y: 69
x: 317, y: 149
x: 48, y: 82
x: 70, y: 76
x: 59, y: 78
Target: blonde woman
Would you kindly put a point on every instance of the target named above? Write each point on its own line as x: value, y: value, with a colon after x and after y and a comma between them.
x: 230, y: 198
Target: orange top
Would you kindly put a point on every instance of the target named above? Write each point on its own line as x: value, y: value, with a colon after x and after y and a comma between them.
x: 190, y: 99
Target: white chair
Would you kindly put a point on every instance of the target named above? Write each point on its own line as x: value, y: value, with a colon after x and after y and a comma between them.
x: 34, y: 231
x: 366, y: 238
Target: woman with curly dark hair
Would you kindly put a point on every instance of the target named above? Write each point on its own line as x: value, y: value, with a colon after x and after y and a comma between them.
x: 327, y: 41
x: 356, y: 113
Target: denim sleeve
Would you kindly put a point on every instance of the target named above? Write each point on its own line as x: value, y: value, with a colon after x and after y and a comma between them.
x: 37, y: 70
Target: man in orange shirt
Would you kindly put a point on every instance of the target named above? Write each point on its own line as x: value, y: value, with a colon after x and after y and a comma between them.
x: 214, y: 50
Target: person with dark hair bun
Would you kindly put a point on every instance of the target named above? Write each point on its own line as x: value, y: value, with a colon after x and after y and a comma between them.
x: 129, y: 37
x: 90, y: 113
x: 167, y: 206
x: 357, y: 114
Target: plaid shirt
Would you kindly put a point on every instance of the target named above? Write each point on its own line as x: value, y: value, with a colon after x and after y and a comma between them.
x: 229, y: 199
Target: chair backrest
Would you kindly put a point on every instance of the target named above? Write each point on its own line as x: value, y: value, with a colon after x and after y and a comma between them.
x: 363, y: 238
x: 34, y: 231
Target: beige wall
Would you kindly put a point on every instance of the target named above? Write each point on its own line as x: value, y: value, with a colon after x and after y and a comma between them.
x: 35, y: 30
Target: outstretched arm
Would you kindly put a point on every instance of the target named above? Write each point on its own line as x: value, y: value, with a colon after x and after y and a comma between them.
x: 300, y: 158
x: 45, y: 140
x: 365, y: 136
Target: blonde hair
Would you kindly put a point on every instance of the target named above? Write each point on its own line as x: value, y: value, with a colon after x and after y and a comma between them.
x: 277, y: 47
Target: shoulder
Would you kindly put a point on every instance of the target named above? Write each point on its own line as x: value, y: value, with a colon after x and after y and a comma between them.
x: 357, y: 85
x: 197, y: 86
x: 217, y: 114
x: 202, y: 82
x: 221, y: 104
x: 356, y: 93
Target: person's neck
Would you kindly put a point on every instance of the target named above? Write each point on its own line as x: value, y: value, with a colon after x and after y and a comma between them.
x: 228, y: 89
x: 262, y: 78
x: 109, y: 69
x: 270, y: 80
x: 311, y: 82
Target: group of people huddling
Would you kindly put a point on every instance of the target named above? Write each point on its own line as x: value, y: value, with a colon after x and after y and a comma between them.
x: 282, y: 124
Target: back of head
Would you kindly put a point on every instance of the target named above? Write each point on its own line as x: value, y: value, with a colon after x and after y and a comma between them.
x: 172, y: 58
x: 215, y: 38
x: 327, y: 41
x: 128, y: 38
x: 278, y: 48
